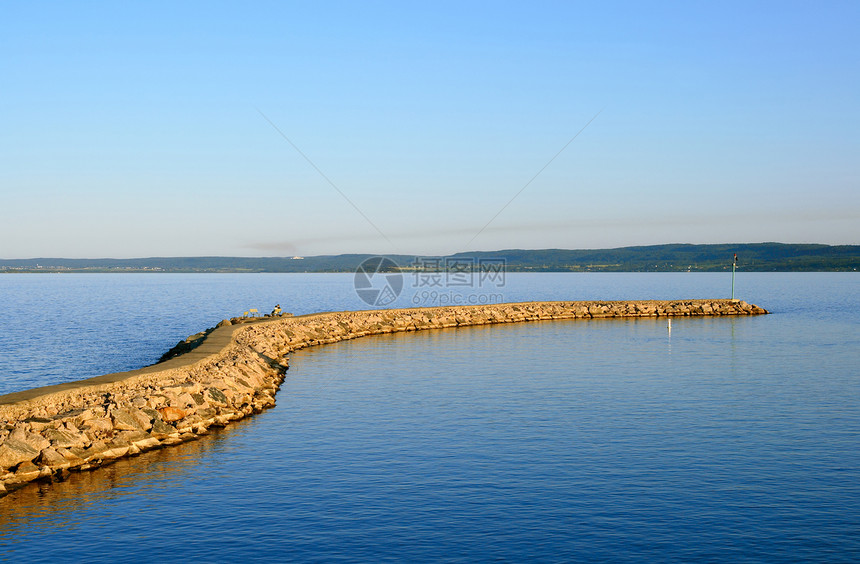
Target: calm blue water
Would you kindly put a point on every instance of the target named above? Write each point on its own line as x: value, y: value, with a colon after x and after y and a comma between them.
x: 730, y: 439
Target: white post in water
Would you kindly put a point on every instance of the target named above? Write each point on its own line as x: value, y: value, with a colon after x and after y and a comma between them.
x: 734, y: 263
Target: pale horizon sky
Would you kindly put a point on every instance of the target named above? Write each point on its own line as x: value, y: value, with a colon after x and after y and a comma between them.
x: 137, y: 130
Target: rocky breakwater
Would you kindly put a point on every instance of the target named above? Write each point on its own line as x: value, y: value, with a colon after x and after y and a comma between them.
x: 234, y: 371
x: 48, y: 432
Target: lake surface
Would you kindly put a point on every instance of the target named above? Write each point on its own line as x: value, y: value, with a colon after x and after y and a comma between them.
x: 728, y: 439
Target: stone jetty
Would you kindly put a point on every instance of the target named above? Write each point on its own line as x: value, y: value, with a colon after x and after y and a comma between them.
x: 232, y: 371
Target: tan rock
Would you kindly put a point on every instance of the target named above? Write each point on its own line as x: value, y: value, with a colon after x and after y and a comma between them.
x: 130, y: 420
x: 98, y: 425
x: 161, y: 430
x: 115, y: 451
x: 14, y: 452
x: 147, y: 444
x: 72, y: 459
x: 184, y: 401
x: 34, y: 441
x: 93, y: 452
x: 157, y: 400
x: 27, y: 472
x: 217, y: 397
x: 65, y: 439
x: 70, y: 427
x: 244, y: 384
x: 145, y: 419
x: 53, y: 459
x: 38, y: 424
x: 82, y: 416
x: 125, y: 438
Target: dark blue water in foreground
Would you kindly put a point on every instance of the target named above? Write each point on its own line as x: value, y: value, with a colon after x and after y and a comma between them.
x: 728, y: 439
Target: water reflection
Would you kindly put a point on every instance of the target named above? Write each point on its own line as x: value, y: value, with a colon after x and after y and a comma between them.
x: 481, y: 441
x: 60, y: 502
x: 144, y: 474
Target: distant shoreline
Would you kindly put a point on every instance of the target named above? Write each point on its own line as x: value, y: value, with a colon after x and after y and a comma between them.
x: 120, y: 272
x: 752, y: 257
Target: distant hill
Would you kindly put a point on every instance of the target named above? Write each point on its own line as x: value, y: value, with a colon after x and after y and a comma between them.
x: 760, y: 257
x: 764, y: 257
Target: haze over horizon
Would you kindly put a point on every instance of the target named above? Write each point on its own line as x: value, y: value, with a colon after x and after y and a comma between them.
x: 168, y: 130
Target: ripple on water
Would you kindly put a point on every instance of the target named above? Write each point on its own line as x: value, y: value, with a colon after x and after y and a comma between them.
x: 730, y: 439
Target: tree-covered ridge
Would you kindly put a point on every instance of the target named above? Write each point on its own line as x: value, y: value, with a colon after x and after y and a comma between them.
x: 761, y: 257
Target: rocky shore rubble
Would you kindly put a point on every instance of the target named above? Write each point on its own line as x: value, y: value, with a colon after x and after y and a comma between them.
x: 86, y: 424
x: 91, y: 427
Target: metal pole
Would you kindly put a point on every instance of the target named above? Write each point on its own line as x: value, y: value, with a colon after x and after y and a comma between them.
x: 734, y: 262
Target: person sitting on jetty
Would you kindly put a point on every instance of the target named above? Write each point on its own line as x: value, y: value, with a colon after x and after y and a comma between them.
x: 277, y: 310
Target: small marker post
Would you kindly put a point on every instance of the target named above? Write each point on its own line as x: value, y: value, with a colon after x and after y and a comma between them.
x: 734, y: 263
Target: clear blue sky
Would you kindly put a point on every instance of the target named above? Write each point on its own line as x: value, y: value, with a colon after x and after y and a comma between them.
x: 132, y: 129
